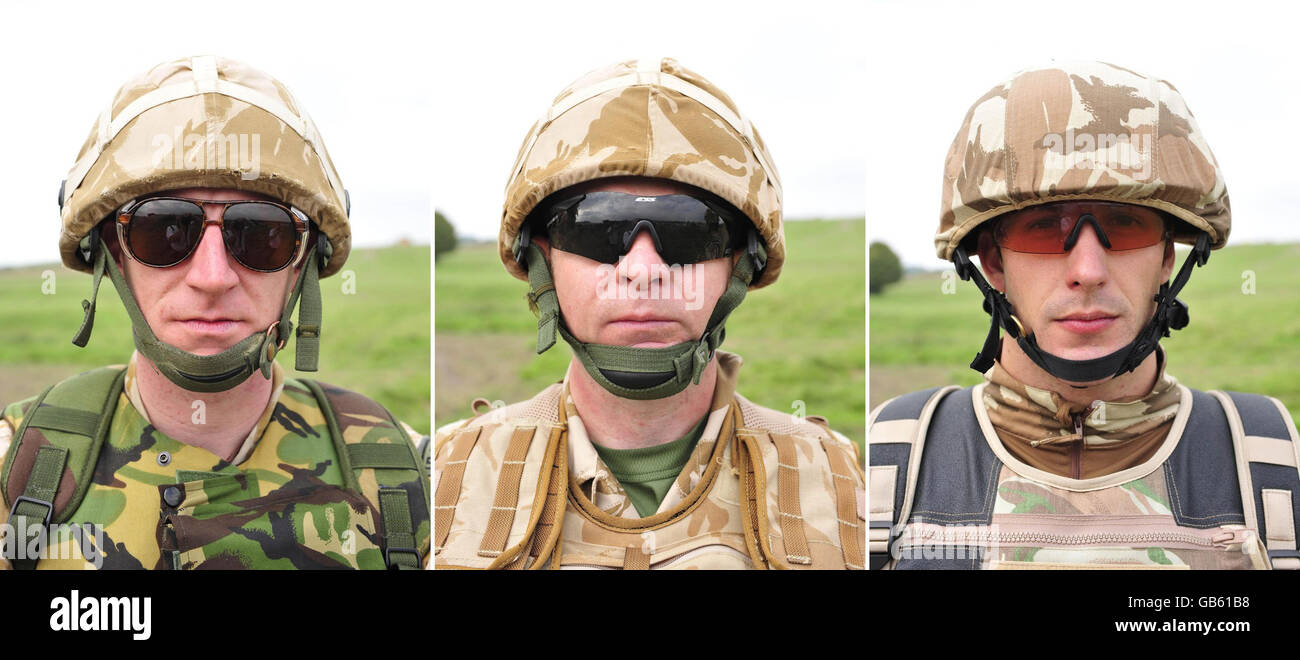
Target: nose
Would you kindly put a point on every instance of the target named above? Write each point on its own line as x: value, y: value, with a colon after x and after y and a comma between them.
x: 641, y: 257
x: 1087, y: 261
x: 211, y: 268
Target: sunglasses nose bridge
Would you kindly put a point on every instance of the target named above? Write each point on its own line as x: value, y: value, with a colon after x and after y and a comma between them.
x: 630, y: 237
x: 1091, y: 219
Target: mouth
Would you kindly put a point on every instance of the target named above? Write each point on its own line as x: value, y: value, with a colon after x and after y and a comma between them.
x: 210, y: 326
x: 1087, y: 322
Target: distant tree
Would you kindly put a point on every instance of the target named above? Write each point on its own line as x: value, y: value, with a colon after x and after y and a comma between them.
x: 885, y: 267
x: 444, y: 235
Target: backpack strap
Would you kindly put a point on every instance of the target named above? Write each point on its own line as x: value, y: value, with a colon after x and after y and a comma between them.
x: 1267, y: 450
x: 897, y: 437
x: 51, y: 461
x: 378, y: 460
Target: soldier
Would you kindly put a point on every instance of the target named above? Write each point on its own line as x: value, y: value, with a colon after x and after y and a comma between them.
x: 1072, y: 183
x: 644, y: 177
x: 206, y: 193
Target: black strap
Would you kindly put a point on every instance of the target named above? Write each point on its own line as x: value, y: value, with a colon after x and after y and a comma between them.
x: 1171, y: 314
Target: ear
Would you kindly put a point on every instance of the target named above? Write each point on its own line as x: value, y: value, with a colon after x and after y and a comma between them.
x: 991, y: 260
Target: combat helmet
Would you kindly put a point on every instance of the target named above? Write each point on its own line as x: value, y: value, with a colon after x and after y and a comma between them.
x: 1082, y: 131
x: 222, y: 102
x: 647, y: 118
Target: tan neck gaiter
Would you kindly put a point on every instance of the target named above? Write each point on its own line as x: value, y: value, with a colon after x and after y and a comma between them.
x: 1078, y: 441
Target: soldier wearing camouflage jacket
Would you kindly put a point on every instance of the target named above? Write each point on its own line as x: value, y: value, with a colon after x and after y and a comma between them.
x: 200, y: 452
x: 1080, y: 450
x: 587, y: 473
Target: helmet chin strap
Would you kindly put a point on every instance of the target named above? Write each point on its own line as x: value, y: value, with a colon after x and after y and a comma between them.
x: 631, y: 372
x: 1171, y: 314
x: 229, y: 368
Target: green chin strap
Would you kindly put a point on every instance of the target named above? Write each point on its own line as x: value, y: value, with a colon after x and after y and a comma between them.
x: 225, y: 370
x: 630, y: 372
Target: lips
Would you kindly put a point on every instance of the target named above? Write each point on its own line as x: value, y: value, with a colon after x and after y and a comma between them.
x: 211, y: 325
x: 1087, y: 322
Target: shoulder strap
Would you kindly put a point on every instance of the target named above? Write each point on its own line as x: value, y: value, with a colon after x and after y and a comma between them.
x: 378, y: 460
x: 1268, y: 468
x: 52, y: 458
x: 897, y: 437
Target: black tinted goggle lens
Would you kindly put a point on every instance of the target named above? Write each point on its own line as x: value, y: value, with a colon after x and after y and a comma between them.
x: 164, y: 232
x: 602, y: 226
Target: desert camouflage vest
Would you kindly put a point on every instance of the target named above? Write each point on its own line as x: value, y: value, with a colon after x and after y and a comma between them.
x: 938, y: 467
x: 333, y: 482
x: 761, y: 491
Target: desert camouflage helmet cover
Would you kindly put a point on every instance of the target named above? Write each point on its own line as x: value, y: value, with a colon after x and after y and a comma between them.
x: 200, y: 108
x: 651, y: 118
x: 1085, y: 130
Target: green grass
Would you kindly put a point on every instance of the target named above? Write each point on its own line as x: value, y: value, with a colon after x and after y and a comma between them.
x: 375, y: 341
x: 802, y: 338
x: 1235, y: 341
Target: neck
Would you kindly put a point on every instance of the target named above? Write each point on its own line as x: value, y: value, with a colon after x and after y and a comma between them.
x: 216, y: 421
x: 1126, y: 387
x: 617, y: 423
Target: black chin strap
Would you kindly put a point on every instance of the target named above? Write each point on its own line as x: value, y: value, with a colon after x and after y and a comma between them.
x: 1171, y: 314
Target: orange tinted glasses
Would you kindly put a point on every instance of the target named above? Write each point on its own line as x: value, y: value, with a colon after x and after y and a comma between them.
x: 1054, y: 228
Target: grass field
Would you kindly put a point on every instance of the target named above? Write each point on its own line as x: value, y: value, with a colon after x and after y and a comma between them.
x: 922, y: 337
x: 802, y: 338
x: 374, y: 341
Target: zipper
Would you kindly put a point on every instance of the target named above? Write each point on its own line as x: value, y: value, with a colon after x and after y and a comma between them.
x: 1009, y: 530
x: 1076, y: 449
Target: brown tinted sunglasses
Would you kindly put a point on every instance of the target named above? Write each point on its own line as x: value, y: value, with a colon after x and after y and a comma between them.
x: 261, y: 235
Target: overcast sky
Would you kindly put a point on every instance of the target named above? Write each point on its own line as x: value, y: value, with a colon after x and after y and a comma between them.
x: 795, y: 69
x: 361, y: 73
x: 857, y: 101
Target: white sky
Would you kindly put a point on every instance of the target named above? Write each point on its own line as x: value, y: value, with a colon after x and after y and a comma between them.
x: 1235, y: 63
x: 795, y: 69
x: 857, y: 101
x: 362, y: 75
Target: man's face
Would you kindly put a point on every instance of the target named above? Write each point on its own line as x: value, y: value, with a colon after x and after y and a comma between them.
x: 209, y: 302
x: 640, y: 301
x: 1086, y: 303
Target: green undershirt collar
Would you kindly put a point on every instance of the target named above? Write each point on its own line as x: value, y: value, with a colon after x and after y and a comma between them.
x: 646, y: 473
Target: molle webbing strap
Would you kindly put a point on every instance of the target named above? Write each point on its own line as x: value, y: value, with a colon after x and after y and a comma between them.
x: 634, y: 559
x: 1267, y: 442
x: 382, y: 447
x: 546, y: 535
x: 399, y: 534
x: 448, y: 493
x: 507, y: 495
x: 307, y: 339
x: 32, y: 510
x: 846, y: 507
x: 542, y: 297
x: 787, y: 501
x: 742, y: 457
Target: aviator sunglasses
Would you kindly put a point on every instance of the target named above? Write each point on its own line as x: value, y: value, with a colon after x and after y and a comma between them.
x: 1055, y: 228
x: 603, y: 225
x: 164, y: 231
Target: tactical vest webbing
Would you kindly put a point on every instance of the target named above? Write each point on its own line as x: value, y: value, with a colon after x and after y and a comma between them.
x: 55, y: 449
x: 505, y: 499
x: 1234, y: 466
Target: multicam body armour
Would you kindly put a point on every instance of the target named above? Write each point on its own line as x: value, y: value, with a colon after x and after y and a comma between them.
x: 283, y: 504
x: 964, y: 501
x: 522, y: 487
